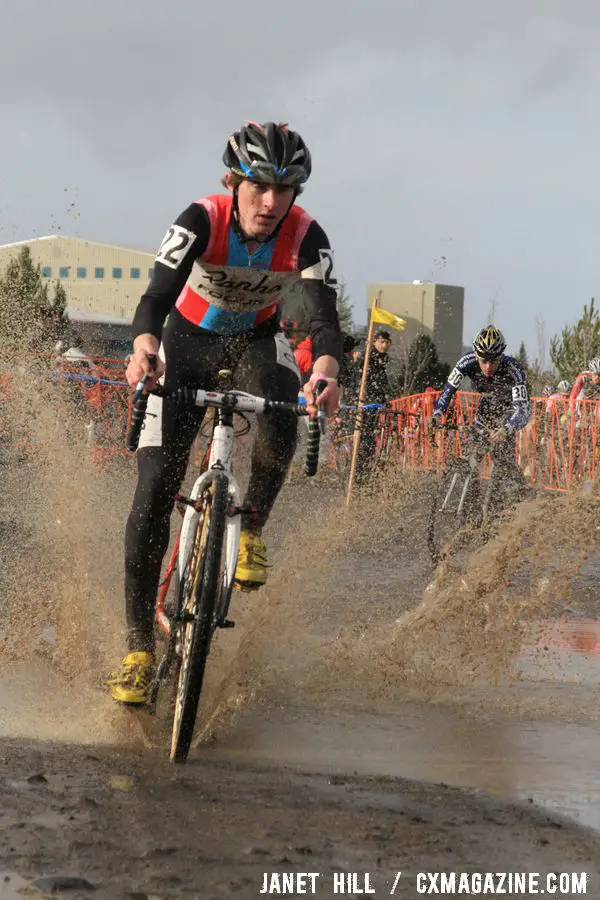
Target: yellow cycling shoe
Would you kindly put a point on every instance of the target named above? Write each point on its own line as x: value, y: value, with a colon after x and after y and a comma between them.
x: 251, y: 569
x: 130, y: 684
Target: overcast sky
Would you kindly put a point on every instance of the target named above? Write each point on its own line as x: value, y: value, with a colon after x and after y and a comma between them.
x: 455, y: 140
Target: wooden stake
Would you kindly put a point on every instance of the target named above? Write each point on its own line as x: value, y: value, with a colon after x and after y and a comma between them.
x: 361, y: 399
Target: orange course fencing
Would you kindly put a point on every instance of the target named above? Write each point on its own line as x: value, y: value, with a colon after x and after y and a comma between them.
x: 558, y: 449
x: 95, y: 390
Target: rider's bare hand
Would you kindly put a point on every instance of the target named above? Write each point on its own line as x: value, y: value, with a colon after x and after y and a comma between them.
x: 329, y: 399
x: 139, y: 365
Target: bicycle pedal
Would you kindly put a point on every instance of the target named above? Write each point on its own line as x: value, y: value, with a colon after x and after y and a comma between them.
x: 227, y: 623
x: 241, y: 510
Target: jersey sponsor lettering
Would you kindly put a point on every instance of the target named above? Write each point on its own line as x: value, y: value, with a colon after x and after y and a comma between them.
x: 175, y: 244
x: 239, y: 289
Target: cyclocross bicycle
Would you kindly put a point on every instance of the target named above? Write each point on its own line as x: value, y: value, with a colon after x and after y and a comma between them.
x: 204, y: 561
x: 460, y: 506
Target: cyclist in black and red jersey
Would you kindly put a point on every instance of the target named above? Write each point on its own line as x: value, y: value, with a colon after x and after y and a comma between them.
x: 219, y: 276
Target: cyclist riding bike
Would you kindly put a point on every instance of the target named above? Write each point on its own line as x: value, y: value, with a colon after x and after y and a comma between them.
x: 220, y: 274
x: 504, y: 408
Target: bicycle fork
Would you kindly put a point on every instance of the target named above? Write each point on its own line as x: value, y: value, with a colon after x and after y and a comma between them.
x: 463, y: 494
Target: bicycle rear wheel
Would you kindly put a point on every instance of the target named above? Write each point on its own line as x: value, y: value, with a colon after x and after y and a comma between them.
x: 200, y: 587
x: 455, y: 505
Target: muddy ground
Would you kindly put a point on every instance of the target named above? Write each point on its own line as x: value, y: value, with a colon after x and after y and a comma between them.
x: 133, y: 827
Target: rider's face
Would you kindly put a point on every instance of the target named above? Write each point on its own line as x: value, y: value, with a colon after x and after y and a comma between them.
x: 382, y: 345
x: 262, y: 207
x: 489, y: 367
x: 595, y: 378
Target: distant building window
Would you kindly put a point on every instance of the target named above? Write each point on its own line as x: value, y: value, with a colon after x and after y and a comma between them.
x: 135, y: 273
x: 99, y: 272
x: 81, y: 272
x: 117, y: 272
x: 63, y: 272
x: 150, y: 271
x: 47, y: 271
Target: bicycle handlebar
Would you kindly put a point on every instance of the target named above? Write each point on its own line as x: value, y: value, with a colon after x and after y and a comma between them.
x: 316, y: 427
x: 452, y: 426
x: 234, y: 400
x: 479, y: 435
x: 140, y: 402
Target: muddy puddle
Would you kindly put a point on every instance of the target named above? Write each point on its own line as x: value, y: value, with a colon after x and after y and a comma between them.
x: 553, y: 765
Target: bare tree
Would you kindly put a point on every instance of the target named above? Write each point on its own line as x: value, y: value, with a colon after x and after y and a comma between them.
x: 493, y: 307
x: 542, y: 344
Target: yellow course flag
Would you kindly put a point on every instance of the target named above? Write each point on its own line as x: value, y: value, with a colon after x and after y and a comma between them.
x: 383, y: 317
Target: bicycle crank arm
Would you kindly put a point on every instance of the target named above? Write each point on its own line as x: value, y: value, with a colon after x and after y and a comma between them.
x: 153, y: 695
x: 162, y: 671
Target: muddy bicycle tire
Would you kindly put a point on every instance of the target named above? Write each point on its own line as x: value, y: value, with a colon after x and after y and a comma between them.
x: 199, y: 629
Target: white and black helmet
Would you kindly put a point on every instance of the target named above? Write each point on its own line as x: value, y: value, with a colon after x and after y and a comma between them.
x: 269, y: 153
x: 594, y: 365
x: 489, y: 343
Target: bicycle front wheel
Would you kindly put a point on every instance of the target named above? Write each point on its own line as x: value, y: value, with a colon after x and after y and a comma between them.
x: 201, y: 585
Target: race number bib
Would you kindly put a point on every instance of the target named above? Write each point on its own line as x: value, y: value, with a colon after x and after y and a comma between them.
x: 519, y: 392
x: 326, y: 257
x: 455, y: 377
x: 323, y: 270
x: 176, y: 243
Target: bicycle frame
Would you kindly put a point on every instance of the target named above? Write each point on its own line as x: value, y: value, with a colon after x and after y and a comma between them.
x: 220, y: 460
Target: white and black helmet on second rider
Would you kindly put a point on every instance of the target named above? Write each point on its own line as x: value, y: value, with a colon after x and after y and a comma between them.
x: 594, y: 365
x: 489, y: 343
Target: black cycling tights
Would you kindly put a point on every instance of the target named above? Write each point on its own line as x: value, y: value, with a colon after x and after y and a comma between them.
x: 261, y: 365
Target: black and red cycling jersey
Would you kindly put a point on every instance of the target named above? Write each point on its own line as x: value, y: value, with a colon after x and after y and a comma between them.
x: 204, y: 270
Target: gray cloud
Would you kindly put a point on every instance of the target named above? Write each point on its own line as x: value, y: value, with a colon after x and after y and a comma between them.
x: 465, y: 130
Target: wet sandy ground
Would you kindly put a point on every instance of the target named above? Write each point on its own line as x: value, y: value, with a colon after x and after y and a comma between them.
x: 133, y: 827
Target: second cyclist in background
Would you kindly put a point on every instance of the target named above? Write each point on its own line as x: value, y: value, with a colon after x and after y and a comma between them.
x: 504, y: 408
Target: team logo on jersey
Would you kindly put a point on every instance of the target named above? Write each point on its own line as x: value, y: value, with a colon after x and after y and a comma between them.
x: 237, y: 288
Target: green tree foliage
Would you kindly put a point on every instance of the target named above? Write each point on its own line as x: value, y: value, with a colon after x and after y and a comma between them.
x: 417, y: 366
x: 522, y: 355
x: 344, y: 308
x: 572, y: 350
x: 30, y: 319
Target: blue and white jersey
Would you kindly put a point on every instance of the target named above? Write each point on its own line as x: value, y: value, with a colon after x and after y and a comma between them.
x: 505, y: 398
